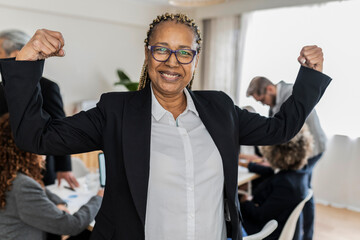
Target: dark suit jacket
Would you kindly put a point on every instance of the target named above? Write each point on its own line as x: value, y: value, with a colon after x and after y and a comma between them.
x: 275, y: 198
x: 53, y: 105
x: 120, y: 125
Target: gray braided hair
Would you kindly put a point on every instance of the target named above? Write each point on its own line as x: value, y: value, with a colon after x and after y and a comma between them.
x: 13, y: 40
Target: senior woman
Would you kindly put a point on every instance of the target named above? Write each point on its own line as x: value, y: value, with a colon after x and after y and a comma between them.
x: 171, y: 153
x: 27, y: 209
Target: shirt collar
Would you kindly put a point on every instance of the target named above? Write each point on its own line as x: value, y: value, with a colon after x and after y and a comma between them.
x: 158, y: 111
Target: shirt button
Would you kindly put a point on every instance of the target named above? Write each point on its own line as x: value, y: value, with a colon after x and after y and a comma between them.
x: 192, y: 216
x: 190, y: 188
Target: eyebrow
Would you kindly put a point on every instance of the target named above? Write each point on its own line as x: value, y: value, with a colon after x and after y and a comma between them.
x: 166, y: 44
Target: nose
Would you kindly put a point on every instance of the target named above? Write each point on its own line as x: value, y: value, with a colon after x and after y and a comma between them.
x: 172, y: 61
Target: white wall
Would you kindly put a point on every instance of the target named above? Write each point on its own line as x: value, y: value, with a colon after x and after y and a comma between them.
x: 233, y: 7
x: 97, y: 41
x: 102, y: 36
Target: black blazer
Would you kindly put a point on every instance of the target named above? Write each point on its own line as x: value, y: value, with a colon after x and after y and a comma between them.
x: 53, y: 105
x: 120, y: 125
x: 275, y: 198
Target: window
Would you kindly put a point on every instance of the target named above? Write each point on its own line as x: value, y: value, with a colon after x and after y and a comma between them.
x: 274, y: 39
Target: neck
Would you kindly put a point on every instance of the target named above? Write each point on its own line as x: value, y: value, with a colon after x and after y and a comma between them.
x: 176, y: 104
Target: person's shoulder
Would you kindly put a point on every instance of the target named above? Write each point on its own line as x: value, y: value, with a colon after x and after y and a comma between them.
x: 216, y: 96
x: 289, y: 178
x: 46, y: 84
x: 285, y: 85
x: 208, y: 93
x: 116, y: 96
x: 117, y: 100
x: 23, y: 181
x: 46, y: 81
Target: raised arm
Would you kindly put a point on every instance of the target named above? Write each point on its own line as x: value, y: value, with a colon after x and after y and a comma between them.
x: 53, y: 105
x: 309, y: 87
x: 44, y: 44
x: 33, y: 128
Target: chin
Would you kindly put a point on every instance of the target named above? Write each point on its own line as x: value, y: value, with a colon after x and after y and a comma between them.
x: 169, y: 87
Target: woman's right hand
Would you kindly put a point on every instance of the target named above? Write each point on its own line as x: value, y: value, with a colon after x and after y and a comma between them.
x: 100, y: 192
x: 63, y: 207
x: 44, y: 44
x: 243, y: 163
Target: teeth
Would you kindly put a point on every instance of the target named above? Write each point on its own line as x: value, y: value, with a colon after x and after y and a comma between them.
x: 170, y: 75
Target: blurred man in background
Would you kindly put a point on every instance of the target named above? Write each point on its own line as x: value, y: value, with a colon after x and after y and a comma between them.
x: 266, y: 92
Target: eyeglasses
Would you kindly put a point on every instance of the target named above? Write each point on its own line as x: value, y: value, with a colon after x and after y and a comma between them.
x: 162, y: 54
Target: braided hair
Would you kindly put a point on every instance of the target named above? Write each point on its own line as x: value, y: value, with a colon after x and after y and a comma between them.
x: 180, y: 18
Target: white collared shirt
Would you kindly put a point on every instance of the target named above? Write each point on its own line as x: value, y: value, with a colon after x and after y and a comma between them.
x: 186, y: 182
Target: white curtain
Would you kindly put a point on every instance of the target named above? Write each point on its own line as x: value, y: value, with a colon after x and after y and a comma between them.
x: 220, y: 54
x: 336, y: 177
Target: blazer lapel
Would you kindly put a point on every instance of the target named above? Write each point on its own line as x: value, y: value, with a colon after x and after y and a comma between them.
x: 222, y: 134
x: 136, y: 142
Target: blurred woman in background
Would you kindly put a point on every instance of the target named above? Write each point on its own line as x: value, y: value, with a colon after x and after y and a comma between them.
x: 27, y: 209
x: 284, y: 188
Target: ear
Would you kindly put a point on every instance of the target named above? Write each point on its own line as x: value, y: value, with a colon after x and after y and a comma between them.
x: 271, y: 89
x: 14, y: 54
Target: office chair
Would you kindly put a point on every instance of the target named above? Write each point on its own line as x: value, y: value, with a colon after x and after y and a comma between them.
x: 78, y: 167
x: 269, y: 227
x: 290, y: 225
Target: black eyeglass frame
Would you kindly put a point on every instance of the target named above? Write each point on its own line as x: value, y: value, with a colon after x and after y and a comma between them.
x: 172, y: 52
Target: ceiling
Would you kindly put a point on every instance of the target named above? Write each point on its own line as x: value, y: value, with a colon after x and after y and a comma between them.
x: 162, y: 2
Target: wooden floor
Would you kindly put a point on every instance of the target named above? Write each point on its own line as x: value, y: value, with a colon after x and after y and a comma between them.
x: 336, y: 224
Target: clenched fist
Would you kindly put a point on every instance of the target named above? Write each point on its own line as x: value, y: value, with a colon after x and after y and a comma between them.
x: 312, y: 57
x: 45, y: 43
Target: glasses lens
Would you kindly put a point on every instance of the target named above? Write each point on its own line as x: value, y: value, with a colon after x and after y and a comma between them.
x: 160, y: 53
x: 185, y: 55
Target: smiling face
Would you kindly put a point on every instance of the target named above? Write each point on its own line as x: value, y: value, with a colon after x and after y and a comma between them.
x: 171, y: 77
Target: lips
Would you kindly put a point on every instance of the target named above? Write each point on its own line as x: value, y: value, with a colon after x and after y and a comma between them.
x: 170, y: 76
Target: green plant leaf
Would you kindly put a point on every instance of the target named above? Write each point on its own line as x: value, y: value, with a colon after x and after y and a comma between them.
x: 122, y: 76
x: 133, y: 86
x: 125, y: 80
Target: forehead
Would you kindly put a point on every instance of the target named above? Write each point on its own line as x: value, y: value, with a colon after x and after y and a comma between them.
x: 174, y: 34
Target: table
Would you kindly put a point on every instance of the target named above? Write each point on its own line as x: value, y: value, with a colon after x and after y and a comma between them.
x: 89, y: 186
x: 244, y: 176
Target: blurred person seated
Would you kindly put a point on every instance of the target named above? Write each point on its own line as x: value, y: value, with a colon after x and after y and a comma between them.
x: 27, y: 209
x: 285, y: 187
x: 250, y: 153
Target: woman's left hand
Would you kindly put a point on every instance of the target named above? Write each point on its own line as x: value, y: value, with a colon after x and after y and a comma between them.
x: 312, y: 57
